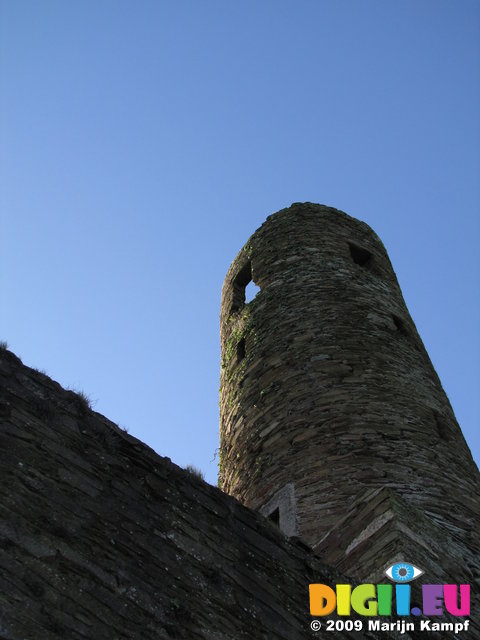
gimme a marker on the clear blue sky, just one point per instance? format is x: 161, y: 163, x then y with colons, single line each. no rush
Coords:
x: 143, y: 142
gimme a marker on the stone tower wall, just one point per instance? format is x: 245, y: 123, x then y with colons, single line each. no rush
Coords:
x: 326, y: 388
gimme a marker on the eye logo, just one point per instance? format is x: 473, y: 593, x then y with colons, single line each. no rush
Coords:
x: 380, y: 599
x: 403, y: 572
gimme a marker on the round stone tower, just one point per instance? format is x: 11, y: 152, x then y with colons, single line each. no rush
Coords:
x: 326, y: 388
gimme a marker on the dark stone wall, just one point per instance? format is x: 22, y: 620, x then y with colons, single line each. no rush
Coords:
x: 102, y: 539
x: 326, y: 384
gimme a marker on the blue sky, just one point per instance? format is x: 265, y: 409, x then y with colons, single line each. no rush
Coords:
x: 142, y: 143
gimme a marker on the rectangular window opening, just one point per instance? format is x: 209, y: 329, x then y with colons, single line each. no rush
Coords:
x: 275, y: 517
x: 359, y: 255
x: 244, y: 276
x: 399, y: 324
x: 251, y: 291
x: 240, y: 350
x: 281, y: 509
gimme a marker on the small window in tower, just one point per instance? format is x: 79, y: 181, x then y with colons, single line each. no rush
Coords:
x: 275, y: 516
x: 399, y: 324
x: 241, y: 350
x: 244, y: 276
x: 281, y: 509
x: 251, y: 291
x: 360, y: 255
x: 244, y: 289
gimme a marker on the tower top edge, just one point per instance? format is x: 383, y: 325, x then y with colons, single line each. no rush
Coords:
x: 312, y: 207
x: 314, y: 210
x: 306, y: 213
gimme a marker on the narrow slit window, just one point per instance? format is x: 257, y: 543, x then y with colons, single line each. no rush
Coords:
x: 360, y: 255
x: 241, y: 350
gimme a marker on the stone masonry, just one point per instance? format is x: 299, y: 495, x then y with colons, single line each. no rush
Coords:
x: 333, y: 420
x: 103, y: 539
x: 335, y: 431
